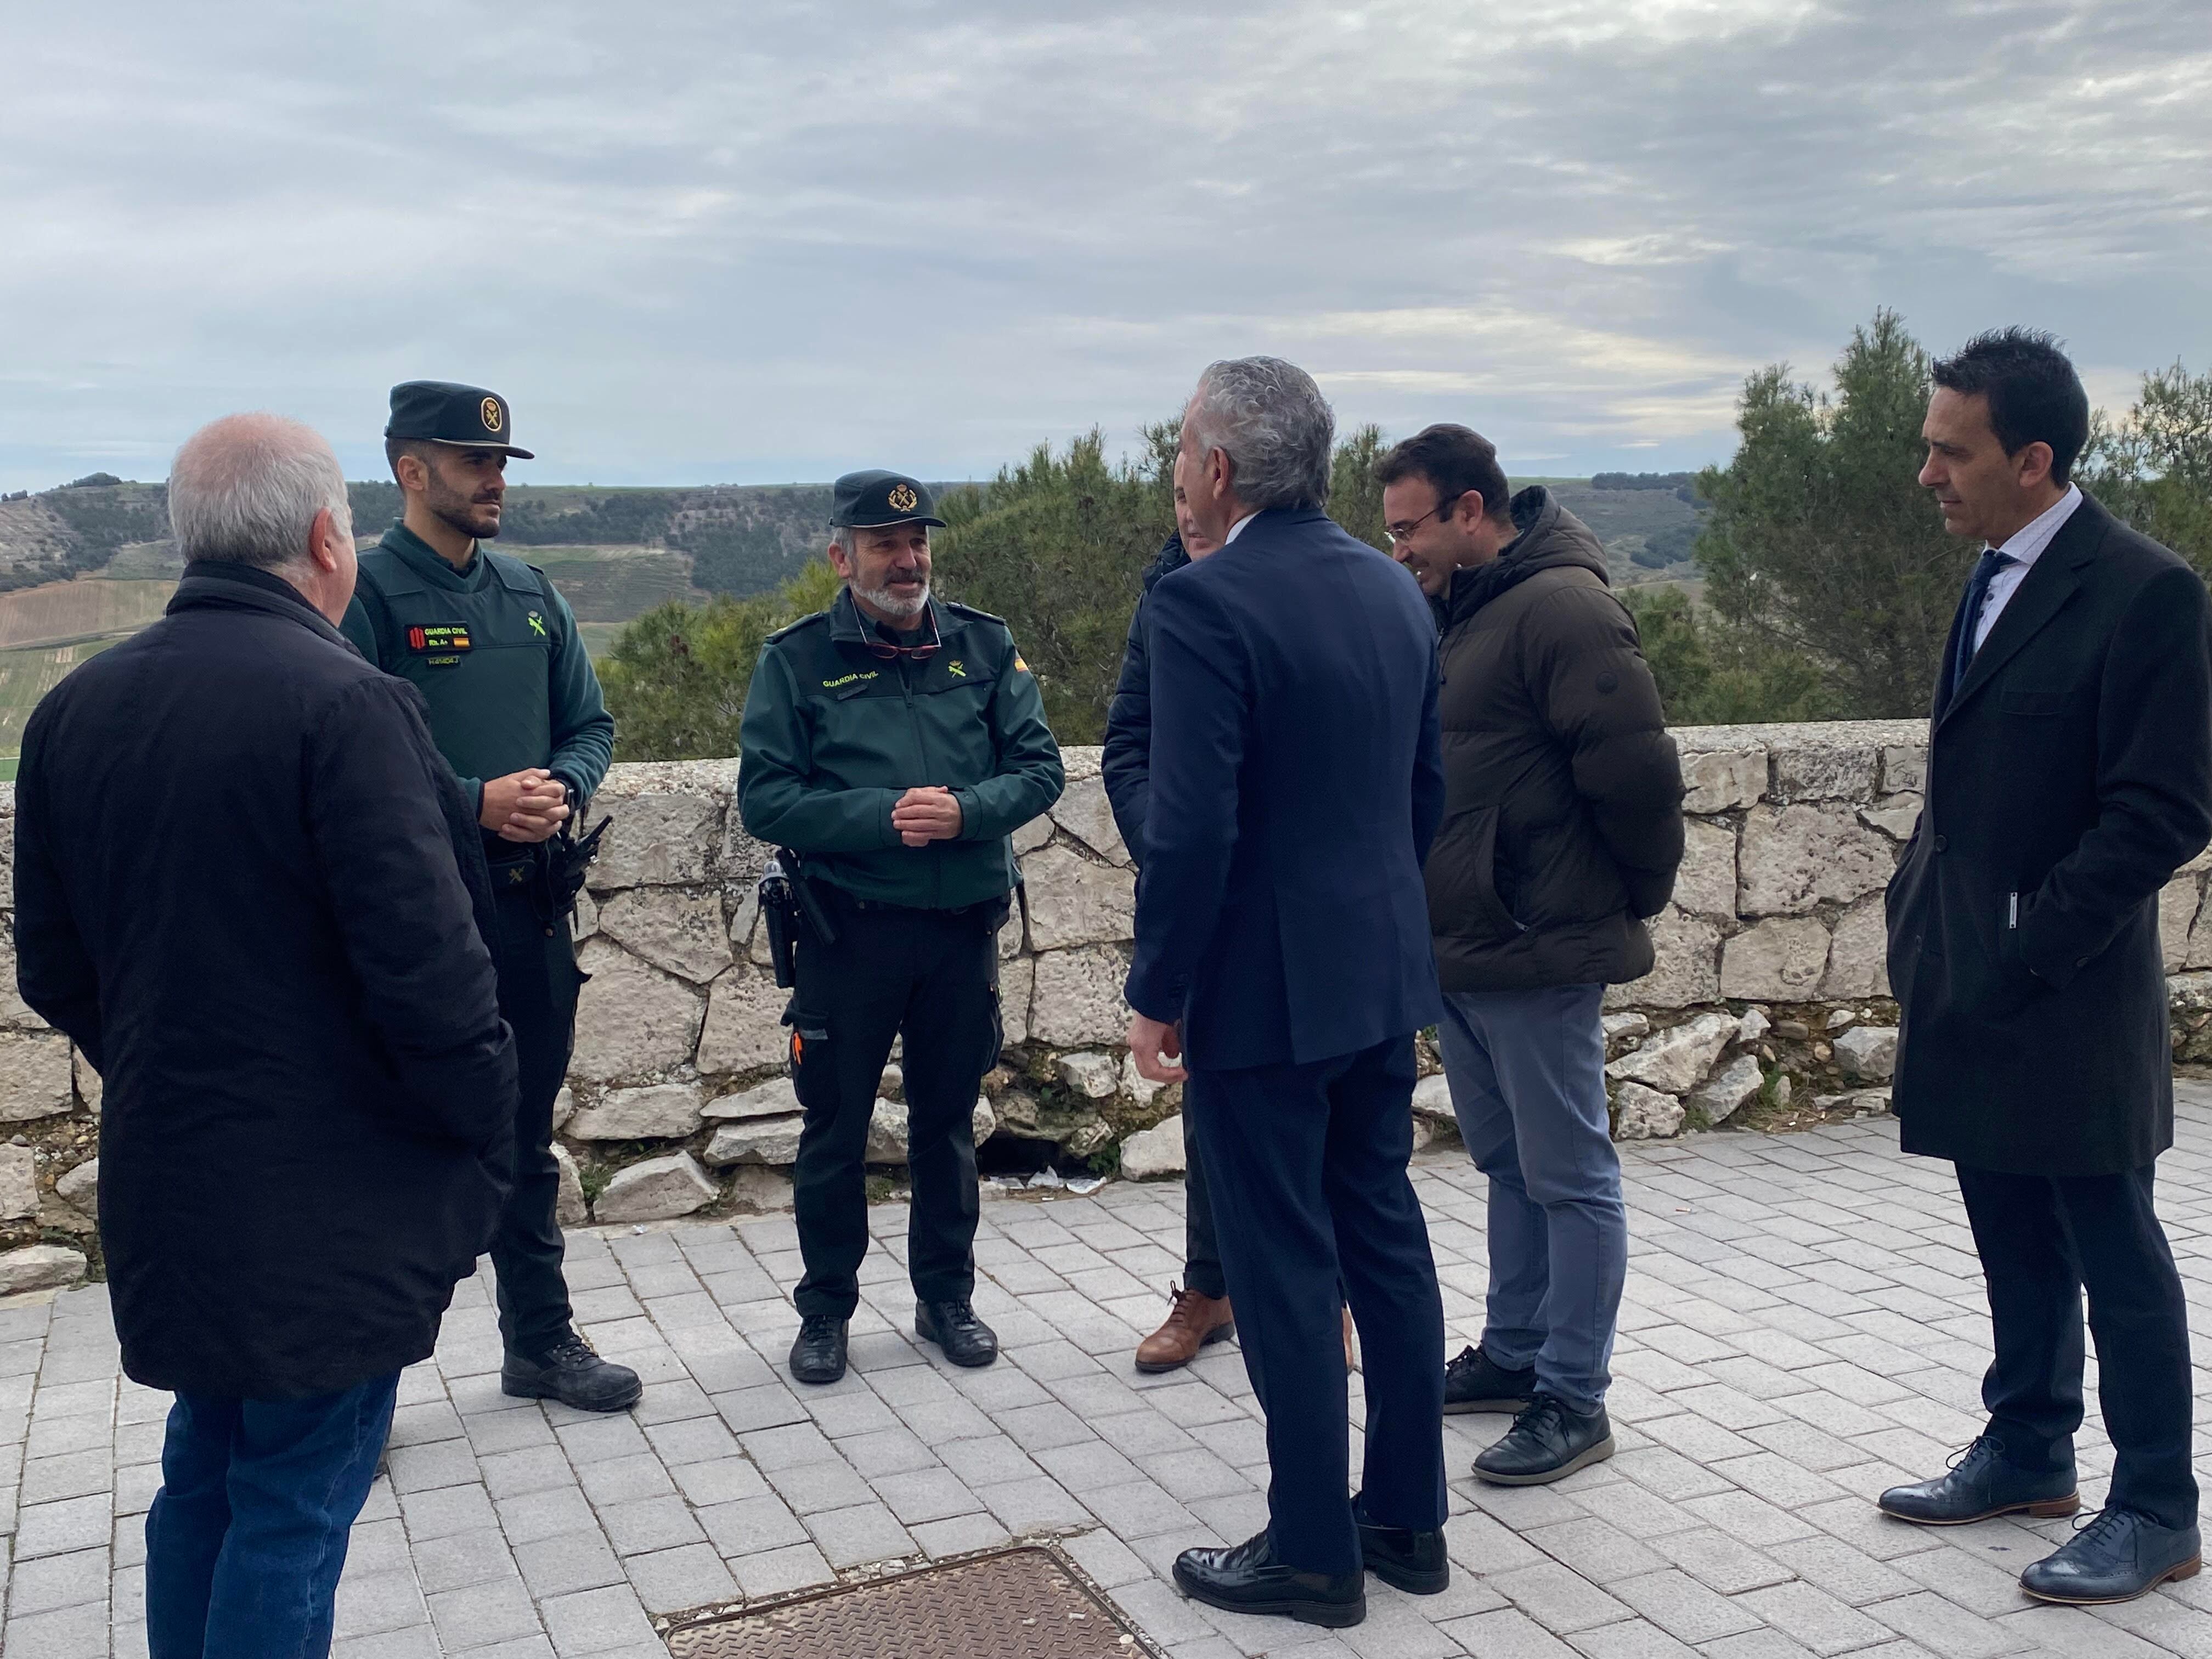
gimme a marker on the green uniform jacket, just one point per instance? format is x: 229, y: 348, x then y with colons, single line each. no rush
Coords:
x: 494, y: 650
x: 833, y: 735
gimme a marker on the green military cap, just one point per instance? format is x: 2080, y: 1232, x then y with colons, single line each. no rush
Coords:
x: 875, y: 498
x: 445, y: 412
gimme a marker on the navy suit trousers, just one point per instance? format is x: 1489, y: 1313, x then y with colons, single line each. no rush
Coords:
x: 2043, y: 1240
x: 1306, y: 1164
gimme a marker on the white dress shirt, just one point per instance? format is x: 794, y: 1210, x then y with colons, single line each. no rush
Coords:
x: 1238, y: 529
x: 2024, y: 548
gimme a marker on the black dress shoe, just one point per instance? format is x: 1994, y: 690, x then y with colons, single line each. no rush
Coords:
x: 2119, y: 1555
x: 1405, y: 1559
x: 1476, y: 1382
x: 966, y: 1339
x: 571, y: 1372
x: 1247, y: 1578
x: 1548, y: 1442
x: 1980, y: 1484
x: 818, y: 1355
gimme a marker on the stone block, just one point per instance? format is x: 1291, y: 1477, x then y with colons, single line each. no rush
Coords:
x: 1084, y: 813
x: 1675, y: 1061
x: 1642, y: 1114
x: 658, y: 1190
x: 658, y: 840
x: 1033, y: 835
x: 887, y: 1134
x: 761, y: 1191
x: 1858, y: 955
x: 1895, y: 816
x: 16, y: 1014
x: 40, y: 1268
x: 661, y: 1111
x: 1722, y: 1094
x: 1078, y: 997
x: 1780, y: 960
x: 19, y: 1183
x: 1135, y: 1085
x: 79, y: 1188
x: 2178, y: 905
x: 1904, y: 769
x: 584, y: 920
x: 1823, y: 770
x: 1687, y: 969
x: 1706, y: 883
x: 1095, y: 1077
x: 744, y: 1030
x: 756, y: 1140
x: 983, y: 1121
x: 564, y: 1107
x: 1017, y: 984
x: 1719, y: 781
x: 1794, y: 857
x: 1755, y: 1024
x: 632, y: 1020
x: 677, y: 929
x: 570, y: 1209
x: 1868, y: 1053
x: 743, y: 858
x: 1075, y: 901
x: 34, y: 1075
x: 1154, y: 1152
x: 777, y: 1097
x: 1433, y: 1098
x: 89, y: 1087
x: 1017, y: 1113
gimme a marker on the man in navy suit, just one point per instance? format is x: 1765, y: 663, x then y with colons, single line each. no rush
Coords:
x: 1282, y: 955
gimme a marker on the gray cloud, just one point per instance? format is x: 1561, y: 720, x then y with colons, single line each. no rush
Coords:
x: 698, y: 242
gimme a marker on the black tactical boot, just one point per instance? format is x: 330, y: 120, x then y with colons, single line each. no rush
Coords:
x: 966, y: 1339
x: 818, y: 1355
x: 1476, y: 1382
x: 571, y: 1372
x: 1548, y: 1442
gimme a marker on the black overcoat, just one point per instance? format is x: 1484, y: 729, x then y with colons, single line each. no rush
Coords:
x: 2067, y: 780
x: 240, y: 889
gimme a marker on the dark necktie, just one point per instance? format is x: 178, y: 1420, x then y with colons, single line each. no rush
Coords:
x: 1970, y: 622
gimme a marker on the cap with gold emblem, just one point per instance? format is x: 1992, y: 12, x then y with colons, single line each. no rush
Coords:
x: 872, y: 498
x: 447, y: 413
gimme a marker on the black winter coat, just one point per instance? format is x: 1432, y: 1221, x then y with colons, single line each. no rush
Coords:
x: 1563, y: 810
x: 2067, y: 780
x: 1126, y: 767
x: 251, y: 891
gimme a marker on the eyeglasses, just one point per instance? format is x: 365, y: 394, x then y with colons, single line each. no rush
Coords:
x: 891, y: 653
x: 1398, y: 533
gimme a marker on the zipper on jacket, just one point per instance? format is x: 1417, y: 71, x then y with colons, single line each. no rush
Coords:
x: 921, y: 748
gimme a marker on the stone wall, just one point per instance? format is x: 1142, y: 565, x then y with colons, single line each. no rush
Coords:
x: 1769, y: 999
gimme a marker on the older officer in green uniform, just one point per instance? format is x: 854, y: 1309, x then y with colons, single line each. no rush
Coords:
x: 514, y: 707
x: 894, y: 741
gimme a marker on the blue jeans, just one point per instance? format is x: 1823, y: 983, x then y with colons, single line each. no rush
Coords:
x: 247, y: 1535
x: 1527, y: 1071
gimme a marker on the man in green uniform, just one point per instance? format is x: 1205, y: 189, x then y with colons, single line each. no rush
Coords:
x: 894, y: 742
x: 515, y: 708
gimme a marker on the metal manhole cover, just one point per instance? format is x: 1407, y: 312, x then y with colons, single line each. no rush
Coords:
x: 1018, y: 1604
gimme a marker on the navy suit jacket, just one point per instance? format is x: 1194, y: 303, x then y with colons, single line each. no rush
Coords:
x: 1296, y: 787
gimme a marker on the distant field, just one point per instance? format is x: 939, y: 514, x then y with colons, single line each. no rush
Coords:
x: 26, y: 676
x: 86, y: 609
x: 614, y: 584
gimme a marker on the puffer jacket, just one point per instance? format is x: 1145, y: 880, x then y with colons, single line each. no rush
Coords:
x: 1563, y: 805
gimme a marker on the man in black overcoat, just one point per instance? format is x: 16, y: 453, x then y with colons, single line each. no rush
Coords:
x: 2069, y: 775
x: 252, y: 894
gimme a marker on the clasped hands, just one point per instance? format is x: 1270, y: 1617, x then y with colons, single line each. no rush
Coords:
x: 526, y: 807
x: 929, y: 813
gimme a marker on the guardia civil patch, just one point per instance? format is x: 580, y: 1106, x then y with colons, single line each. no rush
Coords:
x: 442, y: 639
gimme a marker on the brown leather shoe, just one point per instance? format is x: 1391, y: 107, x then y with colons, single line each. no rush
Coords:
x: 1192, y: 1322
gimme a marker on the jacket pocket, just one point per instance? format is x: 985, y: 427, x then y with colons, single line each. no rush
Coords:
x: 1461, y: 878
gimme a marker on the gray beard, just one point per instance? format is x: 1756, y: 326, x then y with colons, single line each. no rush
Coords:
x: 883, y: 600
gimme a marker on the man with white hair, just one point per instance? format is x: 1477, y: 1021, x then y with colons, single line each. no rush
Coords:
x: 1282, y: 955
x: 252, y: 895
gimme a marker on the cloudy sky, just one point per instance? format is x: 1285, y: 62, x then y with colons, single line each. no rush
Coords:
x: 700, y: 242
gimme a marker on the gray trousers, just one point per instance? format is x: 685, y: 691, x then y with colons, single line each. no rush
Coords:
x: 1527, y: 1071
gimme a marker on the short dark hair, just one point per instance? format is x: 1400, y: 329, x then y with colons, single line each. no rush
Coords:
x: 395, y: 448
x: 2035, y: 396
x: 1453, y: 458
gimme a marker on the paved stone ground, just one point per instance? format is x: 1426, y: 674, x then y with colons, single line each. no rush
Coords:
x: 1803, y: 1326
